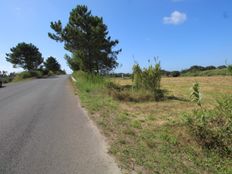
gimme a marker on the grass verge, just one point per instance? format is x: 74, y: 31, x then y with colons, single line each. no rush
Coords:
x: 153, y: 137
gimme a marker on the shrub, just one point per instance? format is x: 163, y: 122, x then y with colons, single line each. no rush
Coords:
x: 137, y: 76
x: 221, y: 67
x: 175, y: 73
x: 210, y: 67
x: 229, y: 68
x: 148, y: 79
x: 37, y: 74
x: 213, y: 128
x: 50, y: 73
x: 44, y: 72
x: 24, y: 75
x: 151, y: 78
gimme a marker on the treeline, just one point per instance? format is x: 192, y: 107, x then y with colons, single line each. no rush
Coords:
x: 192, y: 71
x: 197, y: 70
x: 28, y: 57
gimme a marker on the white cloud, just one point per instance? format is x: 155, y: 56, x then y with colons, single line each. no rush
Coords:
x: 175, y: 18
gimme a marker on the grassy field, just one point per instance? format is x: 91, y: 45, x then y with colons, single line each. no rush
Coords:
x: 152, y: 137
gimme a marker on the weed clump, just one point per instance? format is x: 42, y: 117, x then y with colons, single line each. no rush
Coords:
x: 148, y: 79
x: 195, y: 94
x: 146, y: 85
x: 212, y: 128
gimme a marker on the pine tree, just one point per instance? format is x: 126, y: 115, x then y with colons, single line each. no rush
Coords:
x: 26, y: 56
x: 86, y: 37
x: 51, y: 64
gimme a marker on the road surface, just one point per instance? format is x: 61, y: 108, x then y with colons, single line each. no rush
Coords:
x: 43, y: 130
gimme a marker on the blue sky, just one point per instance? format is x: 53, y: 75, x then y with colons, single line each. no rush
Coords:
x: 181, y: 32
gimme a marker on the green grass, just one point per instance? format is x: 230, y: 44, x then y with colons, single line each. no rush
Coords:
x: 22, y: 76
x: 26, y: 75
x: 153, y: 137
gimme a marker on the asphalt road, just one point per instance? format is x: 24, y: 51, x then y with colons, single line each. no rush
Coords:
x: 43, y: 130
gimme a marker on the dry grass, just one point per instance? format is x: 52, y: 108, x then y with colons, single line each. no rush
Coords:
x: 211, y: 87
x: 179, y: 91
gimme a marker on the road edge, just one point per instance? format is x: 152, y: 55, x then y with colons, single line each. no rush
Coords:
x: 97, y: 131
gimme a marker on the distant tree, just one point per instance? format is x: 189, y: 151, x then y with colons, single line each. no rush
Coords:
x: 210, y: 67
x: 165, y: 73
x: 26, y: 56
x: 86, y: 37
x: 51, y: 64
x: 196, y: 68
x: 222, y: 67
x: 175, y: 73
x: 229, y: 68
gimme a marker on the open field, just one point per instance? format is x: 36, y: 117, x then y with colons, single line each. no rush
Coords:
x: 152, y: 137
x: 179, y: 87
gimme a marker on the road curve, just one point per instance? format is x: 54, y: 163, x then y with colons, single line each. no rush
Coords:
x: 43, y: 130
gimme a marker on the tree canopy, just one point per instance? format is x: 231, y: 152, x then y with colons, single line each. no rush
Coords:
x: 51, y: 64
x: 86, y: 37
x: 26, y: 56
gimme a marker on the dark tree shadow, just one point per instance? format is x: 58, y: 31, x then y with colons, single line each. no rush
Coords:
x: 172, y: 97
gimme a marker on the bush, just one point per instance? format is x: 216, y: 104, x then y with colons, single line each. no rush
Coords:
x: 213, y: 128
x: 222, y: 67
x: 210, y: 67
x: 148, y: 79
x: 151, y: 79
x: 37, y: 74
x: 21, y: 76
x: 44, y: 71
x: 229, y: 68
x: 137, y: 76
x: 50, y: 73
x: 26, y: 74
x: 175, y: 73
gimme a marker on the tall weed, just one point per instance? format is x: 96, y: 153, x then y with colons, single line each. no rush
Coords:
x: 212, y: 128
